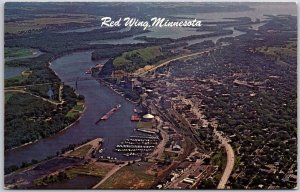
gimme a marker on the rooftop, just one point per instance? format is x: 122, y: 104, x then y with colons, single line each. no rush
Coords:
x: 148, y: 116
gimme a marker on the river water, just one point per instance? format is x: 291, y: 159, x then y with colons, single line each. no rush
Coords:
x: 99, y: 100
x: 174, y: 33
x: 261, y: 10
x: 12, y: 71
x: 156, y: 32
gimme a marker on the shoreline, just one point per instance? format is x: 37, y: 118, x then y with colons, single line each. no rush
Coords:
x: 103, y: 82
x: 109, y: 85
x: 32, y: 142
x: 35, y: 141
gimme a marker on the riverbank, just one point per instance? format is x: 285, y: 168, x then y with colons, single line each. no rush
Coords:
x: 98, y: 99
x: 110, y: 86
x: 86, y: 150
x: 68, y: 126
x: 78, y: 73
x: 35, y: 141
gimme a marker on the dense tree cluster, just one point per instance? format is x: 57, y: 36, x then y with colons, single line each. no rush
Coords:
x: 28, y: 118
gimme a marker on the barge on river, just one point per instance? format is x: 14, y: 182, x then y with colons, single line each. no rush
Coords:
x: 108, y: 114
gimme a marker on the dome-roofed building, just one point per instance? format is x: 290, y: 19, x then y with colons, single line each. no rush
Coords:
x: 148, y: 117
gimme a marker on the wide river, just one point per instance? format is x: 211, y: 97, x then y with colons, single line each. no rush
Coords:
x: 99, y: 100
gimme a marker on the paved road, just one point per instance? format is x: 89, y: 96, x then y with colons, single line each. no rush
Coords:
x: 159, y: 149
x: 230, y: 160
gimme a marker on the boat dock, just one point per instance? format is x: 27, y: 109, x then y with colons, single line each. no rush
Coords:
x: 137, y: 145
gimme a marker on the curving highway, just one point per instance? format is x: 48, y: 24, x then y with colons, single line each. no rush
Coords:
x: 230, y: 160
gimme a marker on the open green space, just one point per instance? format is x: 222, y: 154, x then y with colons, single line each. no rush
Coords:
x: 89, y: 169
x: 72, y: 114
x: 133, y: 176
x: 132, y: 60
x: 17, y: 80
x: 14, y: 80
x: 8, y: 95
x: 285, y: 55
x: 76, y: 110
x: 288, y: 49
x: 17, y: 52
x: 144, y: 125
x: 80, y: 152
x: 219, y: 159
